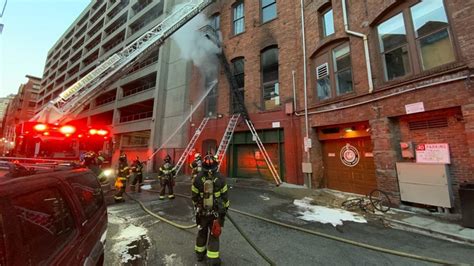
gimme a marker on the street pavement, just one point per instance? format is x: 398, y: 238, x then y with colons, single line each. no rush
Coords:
x: 136, y: 238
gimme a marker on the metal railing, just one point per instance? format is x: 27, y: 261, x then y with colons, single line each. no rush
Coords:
x: 139, y: 116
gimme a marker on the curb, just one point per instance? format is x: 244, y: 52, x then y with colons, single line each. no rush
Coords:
x: 428, y: 232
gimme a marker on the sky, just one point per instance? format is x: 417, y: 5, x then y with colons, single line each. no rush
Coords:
x: 31, y: 28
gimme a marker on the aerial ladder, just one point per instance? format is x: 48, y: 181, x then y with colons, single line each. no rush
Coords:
x: 239, y: 111
x: 71, y: 101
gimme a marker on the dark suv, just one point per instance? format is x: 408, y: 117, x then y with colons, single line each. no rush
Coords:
x: 52, y: 218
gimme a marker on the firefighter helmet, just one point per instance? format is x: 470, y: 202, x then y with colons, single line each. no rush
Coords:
x: 209, y: 163
x: 197, y: 156
x: 167, y: 159
x: 123, y: 157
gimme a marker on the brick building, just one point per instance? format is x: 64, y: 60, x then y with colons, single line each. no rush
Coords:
x: 261, y: 44
x: 421, y: 59
x: 415, y: 90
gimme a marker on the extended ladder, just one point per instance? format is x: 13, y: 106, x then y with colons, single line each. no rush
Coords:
x: 190, y: 146
x: 210, y: 33
x: 71, y: 100
x: 229, y: 131
x: 267, y: 158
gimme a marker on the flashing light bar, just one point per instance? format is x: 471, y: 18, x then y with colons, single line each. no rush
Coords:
x: 67, y: 130
x: 40, y: 127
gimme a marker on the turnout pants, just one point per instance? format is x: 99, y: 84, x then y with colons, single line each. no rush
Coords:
x: 204, y: 238
x: 120, y: 184
x: 138, y: 179
x: 166, y: 182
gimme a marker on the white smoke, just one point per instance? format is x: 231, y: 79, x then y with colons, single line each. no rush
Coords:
x: 196, y: 47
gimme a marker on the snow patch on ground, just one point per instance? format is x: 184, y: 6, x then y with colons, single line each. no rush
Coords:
x: 264, y: 197
x: 127, y: 236
x: 172, y: 260
x: 146, y: 187
x: 325, y: 215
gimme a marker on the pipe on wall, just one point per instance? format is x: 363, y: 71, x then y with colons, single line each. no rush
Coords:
x: 366, y: 45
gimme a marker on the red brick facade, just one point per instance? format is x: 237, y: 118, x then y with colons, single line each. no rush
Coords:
x: 445, y: 91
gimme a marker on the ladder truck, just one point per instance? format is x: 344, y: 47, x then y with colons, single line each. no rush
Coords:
x: 53, y: 121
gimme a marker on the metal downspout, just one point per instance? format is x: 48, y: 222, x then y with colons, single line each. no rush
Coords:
x: 366, y: 45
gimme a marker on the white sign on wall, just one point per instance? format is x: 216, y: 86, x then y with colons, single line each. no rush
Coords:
x: 433, y: 153
x: 414, y: 108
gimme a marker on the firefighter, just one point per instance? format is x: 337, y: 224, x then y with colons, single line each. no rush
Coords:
x: 100, y: 159
x: 122, y: 176
x: 209, y: 195
x: 166, y: 175
x: 137, y: 170
x: 90, y: 161
x: 196, y: 166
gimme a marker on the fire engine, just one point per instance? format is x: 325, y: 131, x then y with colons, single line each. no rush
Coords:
x: 59, y: 141
x: 51, y: 134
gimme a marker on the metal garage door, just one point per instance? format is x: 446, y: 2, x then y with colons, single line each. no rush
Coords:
x: 349, y: 165
x: 247, y: 161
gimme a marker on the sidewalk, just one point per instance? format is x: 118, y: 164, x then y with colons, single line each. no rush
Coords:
x: 413, y: 220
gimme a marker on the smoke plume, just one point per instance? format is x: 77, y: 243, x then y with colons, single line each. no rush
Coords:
x: 196, y: 47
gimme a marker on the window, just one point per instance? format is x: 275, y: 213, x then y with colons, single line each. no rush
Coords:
x: 89, y: 193
x: 211, y: 100
x: 415, y: 40
x: 334, y: 68
x: 238, y: 72
x: 269, y: 10
x: 394, y: 47
x: 432, y: 34
x: 46, y: 223
x: 328, y: 23
x: 271, y: 90
x: 238, y: 18
x: 342, y: 69
x: 215, y: 22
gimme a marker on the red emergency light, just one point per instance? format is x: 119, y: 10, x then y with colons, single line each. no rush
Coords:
x: 40, y: 127
x: 67, y: 130
x: 102, y: 132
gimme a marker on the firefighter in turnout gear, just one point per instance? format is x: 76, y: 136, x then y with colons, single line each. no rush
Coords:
x: 137, y: 170
x: 122, y: 176
x: 209, y: 195
x: 166, y: 175
x: 196, y: 165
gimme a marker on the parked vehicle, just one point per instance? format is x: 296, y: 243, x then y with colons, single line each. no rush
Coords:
x: 53, y: 218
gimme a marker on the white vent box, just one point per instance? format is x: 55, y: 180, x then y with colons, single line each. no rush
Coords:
x: 424, y: 183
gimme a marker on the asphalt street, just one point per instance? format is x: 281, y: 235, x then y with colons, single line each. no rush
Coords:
x: 136, y: 238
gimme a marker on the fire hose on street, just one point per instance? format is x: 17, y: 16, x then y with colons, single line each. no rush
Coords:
x: 308, y: 231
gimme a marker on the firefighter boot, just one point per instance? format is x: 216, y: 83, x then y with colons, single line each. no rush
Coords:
x: 200, y: 256
x: 214, y: 262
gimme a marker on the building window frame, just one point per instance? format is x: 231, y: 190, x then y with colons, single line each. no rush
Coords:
x: 239, y: 74
x: 215, y: 21
x: 326, y: 77
x: 238, y: 20
x: 413, y: 46
x: 267, y: 85
x: 266, y: 5
x: 324, y: 29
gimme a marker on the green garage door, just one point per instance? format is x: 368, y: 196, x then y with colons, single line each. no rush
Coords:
x: 247, y: 160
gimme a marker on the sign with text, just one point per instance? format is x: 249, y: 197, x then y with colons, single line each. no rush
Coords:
x: 433, y: 153
x: 414, y: 108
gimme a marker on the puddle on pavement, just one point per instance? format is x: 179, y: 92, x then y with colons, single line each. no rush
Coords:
x: 138, y: 252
